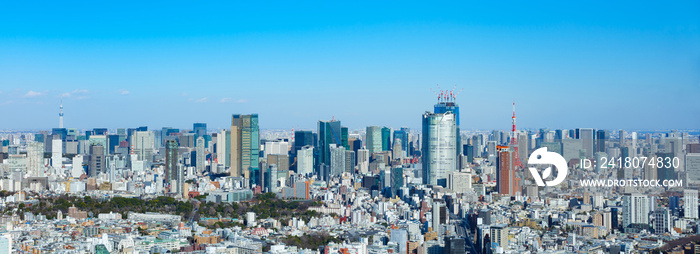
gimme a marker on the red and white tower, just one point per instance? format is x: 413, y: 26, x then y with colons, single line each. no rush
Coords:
x: 514, y: 142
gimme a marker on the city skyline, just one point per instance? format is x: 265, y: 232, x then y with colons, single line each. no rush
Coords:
x: 187, y: 126
x: 350, y: 127
x: 565, y: 64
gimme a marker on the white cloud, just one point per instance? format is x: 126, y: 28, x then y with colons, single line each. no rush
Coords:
x: 76, y: 92
x: 225, y: 100
x: 123, y: 92
x: 31, y: 94
x: 201, y: 100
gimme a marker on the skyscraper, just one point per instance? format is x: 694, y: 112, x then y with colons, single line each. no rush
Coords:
x: 386, y: 138
x: 666, y: 171
x: 692, y: 167
x: 439, y: 147
x: 350, y: 161
x: 402, y: 135
x: 97, y: 163
x: 199, y: 129
x: 337, y: 160
x: 449, y: 105
x: 245, y: 147
x: 201, y: 155
x: 690, y: 198
x: 171, y: 164
x: 305, y: 160
x: 35, y: 158
x: 142, y: 141
x: 223, y: 147
x: 635, y: 210
x: 329, y: 132
x: 602, y: 137
x: 362, y: 160
x: 506, y: 183
x: 56, y: 153
x: 587, y: 141
x: 374, y: 139
x: 302, y: 139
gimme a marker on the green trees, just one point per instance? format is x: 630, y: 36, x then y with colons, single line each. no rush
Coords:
x: 264, y: 205
x: 312, y: 241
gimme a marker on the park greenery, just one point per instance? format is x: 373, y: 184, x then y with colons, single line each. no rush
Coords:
x: 264, y: 205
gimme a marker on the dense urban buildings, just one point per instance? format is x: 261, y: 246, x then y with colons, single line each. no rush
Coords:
x: 336, y: 190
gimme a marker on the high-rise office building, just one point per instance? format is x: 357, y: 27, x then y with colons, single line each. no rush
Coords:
x: 329, y: 132
x: 142, y: 142
x: 397, y: 180
x: 690, y: 206
x: 439, y: 146
x: 386, y: 138
x: 662, y: 221
x: 666, y: 171
x: 281, y: 160
x: 374, y: 139
x: 97, y: 162
x: 199, y: 129
x: 35, y: 158
x: 621, y: 136
x: 171, y: 163
x: 450, y: 106
x: 587, y: 138
x: 305, y: 160
x: 245, y: 147
x: 402, y: 135
x: 397, y: 151
x: 602, y: 137
x: 223, y: 147
x: 201, y: 155
x: 350, y: 161
x: 692, y: 168
x: 337, y: 160
x: 302, y: 139
x: 276, y: 147
x: 506, y: 182
x: 635, y: 210
x: 56, y: 153
x: 363, y: 160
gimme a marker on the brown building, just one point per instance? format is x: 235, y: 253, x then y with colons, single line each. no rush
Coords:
x: 73, y: 212
x: 505, y: 173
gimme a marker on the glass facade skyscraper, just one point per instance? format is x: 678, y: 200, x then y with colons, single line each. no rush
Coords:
x: 171, y: 163
x: 374, y: 139
x: 451, y: 106
x: 245, y: 147
x: 439, y: 147
x: 402, y: 135
x: 329, y: 132
x: 386, y: 139
x: 199, y: 129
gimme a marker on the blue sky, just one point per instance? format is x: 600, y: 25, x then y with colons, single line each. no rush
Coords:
x: 620, y: 64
